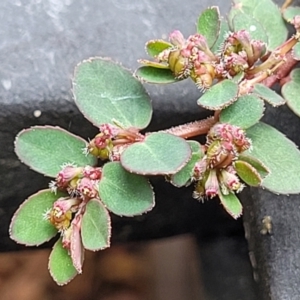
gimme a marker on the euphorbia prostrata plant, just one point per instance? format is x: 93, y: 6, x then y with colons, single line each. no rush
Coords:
x: 234, y: 63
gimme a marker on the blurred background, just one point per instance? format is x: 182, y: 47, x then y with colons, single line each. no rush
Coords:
x: 176, y: 268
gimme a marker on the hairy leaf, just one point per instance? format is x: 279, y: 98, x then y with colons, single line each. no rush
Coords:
x: 231, y: 204
x: 267, y: 13
x: 245, y: 112
x: 256, y: 30
x: 209, y: 24
x: 220, y: 95
x: 256, y: 163
x: 45, y: 149
x: 247, y: 173
x: 280, y: 155
x: 105, y: 92
x: 160, y: 153
x: 123, y: 193
x: 154, y: 47
x: 224, y: 29
x: 290, y: 12
x: 290, y: 91
x: 154, y: 64
x: 95, y: 227
x: 183, y: 177
x: 29, y: 225
x: 296, y: 51
x: 152, y: 74
x: 60, y: 264
x: 268, y: 95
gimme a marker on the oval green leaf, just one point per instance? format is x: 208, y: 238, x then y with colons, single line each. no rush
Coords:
x: 243, y: 21
x: 245, y: 112
x: 123, y: 193
x: 60, y: 264
x: 183, y: 177
x: 29, y: 225
x: 220, y: 95
x: 155, y: 75
x: 209, y: 25
x: 268, y: 95
x: 105, y: 92
x: 224, y: 29
x: 231, y: 204
x: 160, y: 153
x: 281, y: 157
x: 154, y: 47
x: 296, y: 51
x: 247, y: 173
x: 290, y: 91
x: 290, y: 12
x: 269, y: 18
x: 95, y: 226
x: 255, y: 163
x: 153, y: 64
x: 45, y: 149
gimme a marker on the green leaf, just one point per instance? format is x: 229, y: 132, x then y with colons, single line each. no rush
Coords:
x: 256, y: 30
x: 209, y: 24
x: 267, y: 13
x: 60, y: 264
x: 155, y: 75
x: 104, y: 91
x: 290, y: 91
x: 123, y: 193
x: 231, y: 204
x: 256, y: 163
x: 268, y: 95
x: 224, y: 29
x: 220, y: 95
x: 290, y: 12
x: 160, y: 153
x: 28, y: 225
x: 183, y: 177
x: 45, y: 149
x: 296, y: 51
x: 247, y: 173
x: 154, y: 64
x: 95, y: 226
x: 281, y: 157
x: 154, y: 47
x: 245, y: 112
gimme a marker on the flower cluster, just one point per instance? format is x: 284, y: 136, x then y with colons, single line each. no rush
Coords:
x: 239, y: 53
x: 80, y: 183
x: 215, y: 172
x: 193, y: 58
x: 112, y: 141
x: 190, y: 58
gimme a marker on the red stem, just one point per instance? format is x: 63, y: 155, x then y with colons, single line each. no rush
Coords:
x: 193, y: 128
x: 282, y: 71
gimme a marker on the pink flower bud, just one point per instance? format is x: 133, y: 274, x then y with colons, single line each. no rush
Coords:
x: 61, y: 213
x: 176, y: 38
x: 199, y: 41
x: 199, y: 169
x: 230, y: 180
x: 296, y: 22
x: 109, y: 131
x: 67, y: 174
x: 92, y: 173
x: 87, y: 187
x: 259, y: 49
x: 212, y: 184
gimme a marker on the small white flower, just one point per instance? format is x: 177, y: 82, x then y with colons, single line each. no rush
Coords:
x: 53, y: 186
